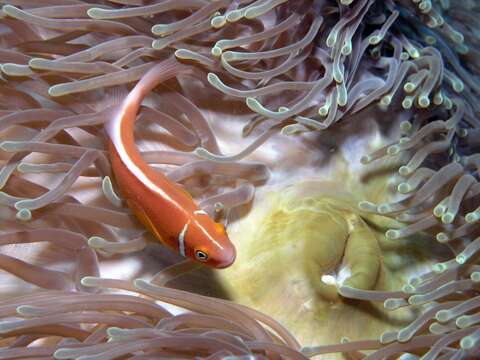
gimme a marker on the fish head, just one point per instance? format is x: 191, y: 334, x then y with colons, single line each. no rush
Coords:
x: 207, y: 242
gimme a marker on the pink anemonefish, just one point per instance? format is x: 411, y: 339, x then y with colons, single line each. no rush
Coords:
x: 162, y: 206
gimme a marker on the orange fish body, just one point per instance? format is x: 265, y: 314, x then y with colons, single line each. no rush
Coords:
x: 163, y: 207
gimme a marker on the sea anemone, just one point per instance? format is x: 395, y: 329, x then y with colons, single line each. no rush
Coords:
x: 378, y: 97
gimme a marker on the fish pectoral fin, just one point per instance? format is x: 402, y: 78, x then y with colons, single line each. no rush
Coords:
x: 185, y: 191
x: 144, y: 218
x: 220, y: 228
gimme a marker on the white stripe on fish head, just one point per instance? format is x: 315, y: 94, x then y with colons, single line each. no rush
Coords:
x: 181, y: 239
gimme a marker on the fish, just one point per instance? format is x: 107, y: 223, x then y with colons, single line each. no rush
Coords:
x: 166, y: 209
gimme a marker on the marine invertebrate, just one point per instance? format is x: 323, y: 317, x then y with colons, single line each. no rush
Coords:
x: 213, y: 327
x: 324, y: 242
x: 275, y: 66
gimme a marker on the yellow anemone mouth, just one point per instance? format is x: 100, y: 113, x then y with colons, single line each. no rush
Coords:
x: 300, y: 246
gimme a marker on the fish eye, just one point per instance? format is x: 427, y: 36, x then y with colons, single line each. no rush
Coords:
x: 200, y: 255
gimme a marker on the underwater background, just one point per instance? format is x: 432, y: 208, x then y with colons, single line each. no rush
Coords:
x: 337, y: 141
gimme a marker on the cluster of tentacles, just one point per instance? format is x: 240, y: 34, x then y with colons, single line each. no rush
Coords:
x: 286, y: 66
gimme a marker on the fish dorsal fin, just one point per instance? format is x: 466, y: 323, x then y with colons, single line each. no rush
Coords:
x: 144, y: 219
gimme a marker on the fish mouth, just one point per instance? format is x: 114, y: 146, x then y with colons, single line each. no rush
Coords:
x: 227, y: 261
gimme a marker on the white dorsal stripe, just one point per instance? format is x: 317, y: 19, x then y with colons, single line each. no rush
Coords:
x: 113, y: 128
x: 202, y: 212
x: 181, y: 239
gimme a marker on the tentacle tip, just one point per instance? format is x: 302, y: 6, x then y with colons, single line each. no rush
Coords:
x: 216, y: 51
x: 468, y: 342
x: 96, y: 13
x: 218, y: 21
x: 97, y: 242
x: 404, y: 188
x: 407, y: 103
x: 462, y: 322
x: 37, y: 63
x: 408, y: 288
x: 404, y: 170
x: 346, y: 49
x: 252, y: 103
x: 338, y: 76
x: 389, y: 304
x: 425, y: 6
x: 384, y: 208
x: 414, y: 281
x: 392, y: 303
x: 388, y: 337
x: 415, y: 300
x: 8, y: 146
x: 289, y: 130
x: 471, y: 217
x: 62, y: 354
x: 183, y: 54
x: 435, y: 328
x: 409, y: 87
x: 365, y: 159
x: 56, y: 90
x: 404, y: 56
x: 392, y: 234
x: 142, y: 284
x: 202, y: 153
x: 459, y: 87
x: 475, y: 276
x: 439, y: 210
x: 442, y: 237
x: 9, y: 9
x: 423, y: 101
x: 23, y: 168
x: 323, y: 110
x: 89, y: 281
x: 448, y: 218
x: 160, y: 29
x: 374, y: 39
x: 386, y: 100
x: 26, y: 310
x: 159, y: 44
x: 24, y: 215
x: 403, y: 336
x: 393, y: 150
x: 367, y: 206
x: 213, y: 79
x: 461, y: 259
x: 443, y: 315
x: 439, y: 268
x: 115, y: 331
x: 438, y: 99
x: 234, y: 15
x: 107, y: 188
